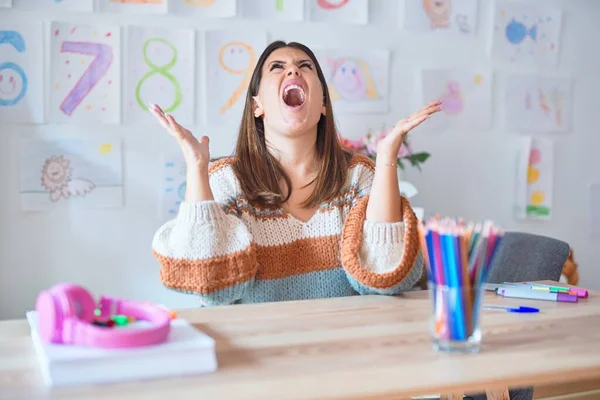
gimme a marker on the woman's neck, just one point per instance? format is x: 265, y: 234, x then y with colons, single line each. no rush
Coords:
x: 297, y: 155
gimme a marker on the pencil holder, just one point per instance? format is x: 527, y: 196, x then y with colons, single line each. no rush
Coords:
x: 458, y: 256
x: 454, y: 324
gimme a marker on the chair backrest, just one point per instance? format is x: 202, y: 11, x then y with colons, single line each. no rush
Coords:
x: 528, y: 257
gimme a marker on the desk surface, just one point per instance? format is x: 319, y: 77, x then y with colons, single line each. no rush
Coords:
x: 344, y: 348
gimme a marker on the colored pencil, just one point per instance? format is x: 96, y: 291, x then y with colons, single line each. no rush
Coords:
x: 458, y: 256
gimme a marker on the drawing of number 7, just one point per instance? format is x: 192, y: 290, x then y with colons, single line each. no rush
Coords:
x: 92, y: 75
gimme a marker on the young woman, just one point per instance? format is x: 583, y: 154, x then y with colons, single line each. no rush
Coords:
x: 293, y: 214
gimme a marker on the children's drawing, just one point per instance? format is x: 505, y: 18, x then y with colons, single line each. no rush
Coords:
x: 452, y: 99
x: 57, y: 179
x: 66, y: 5
x: 459, y: 16
x: 538, y: 103
x: 525, y: 34
x: 205, y: 8
x: 358, y: 81
x: 536, y: 166
x: 273, y: 10
x: 237, y: 58
x: 21, y: 73
x: 332, y: 4
x: 466, y: 97
x: 133, y: 6
x: 231, y: 58
x: 340, y: 11
x: 160, y: 70
x: 85, y: 73
x: 438, y: 11
x: 84, y: 173
x: 173, y: 185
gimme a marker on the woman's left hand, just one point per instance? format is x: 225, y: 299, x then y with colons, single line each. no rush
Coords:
x: 389, y: 146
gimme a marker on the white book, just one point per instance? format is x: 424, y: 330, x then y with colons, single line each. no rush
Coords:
x: 186, y: 351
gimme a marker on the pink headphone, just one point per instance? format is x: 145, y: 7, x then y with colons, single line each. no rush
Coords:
x: 66, y: 315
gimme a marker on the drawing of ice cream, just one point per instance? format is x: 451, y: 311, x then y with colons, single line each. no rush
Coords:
x: 438, y: 12
x: 452, y: 100
x: 56, y: 179
x: 351, y: 80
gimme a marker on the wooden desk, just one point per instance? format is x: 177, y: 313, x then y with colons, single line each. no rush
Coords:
x: 345, y: 348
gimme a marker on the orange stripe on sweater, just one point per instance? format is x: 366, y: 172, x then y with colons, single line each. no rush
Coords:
x: 209, y: 275
x: 299, y: 257
x: 352, y: 236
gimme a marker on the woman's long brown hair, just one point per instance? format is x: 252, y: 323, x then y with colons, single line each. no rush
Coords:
x: 259, y: 172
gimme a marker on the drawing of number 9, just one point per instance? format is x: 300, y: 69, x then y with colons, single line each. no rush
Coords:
x: 9, y: 87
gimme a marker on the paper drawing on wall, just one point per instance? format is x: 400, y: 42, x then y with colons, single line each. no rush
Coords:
x: 237, y: 58
x: 134, y: 6
x: 85, y: 73
x: 357, y: 80
x: 57, y: 179
x: 231, y: 58
x: 21, y: 73
x: 205, y: 8
x: 341, y: 11
x: 83, y: 173
x: 173, y: 185
x: 440, y: 15
x: 466, y: 97
x: 535, y: 165
x: 526, y: 35
x: 63, y: 5
x: 537, y: 103
x: 274, y: 10
x: 160, y: 70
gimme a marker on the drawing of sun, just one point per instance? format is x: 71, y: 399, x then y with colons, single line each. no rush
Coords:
x: 105, y: 148
x: 56, y: 179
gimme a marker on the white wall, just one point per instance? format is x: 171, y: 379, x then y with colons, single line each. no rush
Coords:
x: 470, y: 173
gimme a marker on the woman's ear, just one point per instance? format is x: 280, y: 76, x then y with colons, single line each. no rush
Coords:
x: 324, y: 110
x: 258, y: 109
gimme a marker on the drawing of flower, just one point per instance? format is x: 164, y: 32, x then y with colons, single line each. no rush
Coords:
x: 56, y: 179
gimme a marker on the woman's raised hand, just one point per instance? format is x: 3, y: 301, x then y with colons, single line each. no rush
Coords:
x: 393, y: 141
x: 195, y: 152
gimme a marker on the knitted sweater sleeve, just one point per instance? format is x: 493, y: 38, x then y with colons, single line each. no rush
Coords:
x: 207, y: 249
x: 379, y: 257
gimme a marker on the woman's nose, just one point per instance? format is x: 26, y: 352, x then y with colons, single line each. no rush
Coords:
x: 293, y: 71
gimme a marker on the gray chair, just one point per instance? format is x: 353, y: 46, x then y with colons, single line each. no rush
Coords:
x: 526, y: 257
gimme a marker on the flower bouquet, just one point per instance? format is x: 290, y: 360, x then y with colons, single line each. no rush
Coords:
x: 367, y: 145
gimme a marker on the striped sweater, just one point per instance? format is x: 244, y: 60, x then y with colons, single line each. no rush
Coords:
x: 228, y: 251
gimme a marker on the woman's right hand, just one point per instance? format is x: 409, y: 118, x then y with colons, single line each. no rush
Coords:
x: 195, y: 151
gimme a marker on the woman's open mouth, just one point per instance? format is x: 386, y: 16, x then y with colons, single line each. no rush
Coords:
x: 294, y: 95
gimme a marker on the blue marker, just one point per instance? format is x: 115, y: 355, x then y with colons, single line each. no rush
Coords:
x: 519, y: 310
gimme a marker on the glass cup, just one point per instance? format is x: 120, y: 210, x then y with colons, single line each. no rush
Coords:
x: 454, y: 324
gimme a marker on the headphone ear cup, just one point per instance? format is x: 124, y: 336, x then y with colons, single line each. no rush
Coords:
x: 50, y: 317
x: 79, y: 302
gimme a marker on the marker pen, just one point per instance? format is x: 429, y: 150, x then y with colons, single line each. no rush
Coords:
x: 580, y: 292
x: 526, y: 293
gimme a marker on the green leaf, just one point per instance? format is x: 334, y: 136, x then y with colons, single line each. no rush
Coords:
x: 420, y: 157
